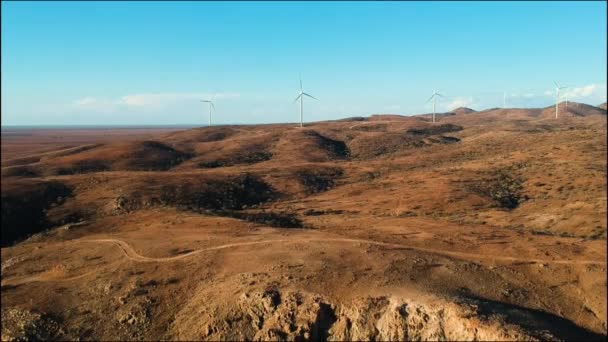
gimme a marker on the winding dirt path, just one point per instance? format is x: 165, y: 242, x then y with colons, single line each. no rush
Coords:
x: 44, y: 277
x: 131, y: 254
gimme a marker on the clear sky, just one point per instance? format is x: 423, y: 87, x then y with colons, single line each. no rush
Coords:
x: 151, y: 62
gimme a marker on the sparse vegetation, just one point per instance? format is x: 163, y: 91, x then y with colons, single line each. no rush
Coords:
x: 370, y: 176
x: 433, y: 130
x: 504, y: 188
x: 249, y: 158
x: 272, y: 219
x: 219, y: 193
x: 133, y: 156
x: 319, y: 179
x: 24, y: 325
x: 326, y: 148
x: 405, y: 218
x: 20, y: 171
x: 371, y: 146
x: 313, y: 212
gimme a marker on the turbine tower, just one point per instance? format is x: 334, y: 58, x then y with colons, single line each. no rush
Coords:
x: 557, y: 89
x: 434, y: 98
x: 301, y: 97
x: 210, y: 106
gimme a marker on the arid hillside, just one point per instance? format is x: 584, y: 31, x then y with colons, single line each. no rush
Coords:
x: 487, y: 225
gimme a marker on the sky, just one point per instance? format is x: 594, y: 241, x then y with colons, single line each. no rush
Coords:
x: 148, y: 63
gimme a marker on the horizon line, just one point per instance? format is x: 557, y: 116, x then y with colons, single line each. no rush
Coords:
x: 269, y: 123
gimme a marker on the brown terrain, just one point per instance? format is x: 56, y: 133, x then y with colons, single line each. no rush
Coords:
x: 487, y: 225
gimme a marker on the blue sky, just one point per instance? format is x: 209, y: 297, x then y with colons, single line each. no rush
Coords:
x: 150, y: 62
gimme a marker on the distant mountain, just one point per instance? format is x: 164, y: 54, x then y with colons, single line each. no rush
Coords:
x: 463, y: 110
x: 573, y: 109
x: 391, y: 117
x: 352, y: 118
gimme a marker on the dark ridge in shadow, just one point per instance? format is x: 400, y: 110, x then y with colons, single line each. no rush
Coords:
x: 83, y: 167
x: 337, y: 148
x: 313, y: 212
x: 371, y: 128
x: 171, y: 157
x: 248, y: 159
x: 319, y: 179
x: 132, y: 156
x: 277, y: 220
x: 24, y: 208
x: 25, y: 171
x: 432, y: 130
x: 353, y: 118
x: 217, y: 194
x: 442, y: 139
x: 534, y: 321
x: 386, y: 143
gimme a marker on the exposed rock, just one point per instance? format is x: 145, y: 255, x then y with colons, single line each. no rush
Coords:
x: 294, y: 315
x: 24, y: 325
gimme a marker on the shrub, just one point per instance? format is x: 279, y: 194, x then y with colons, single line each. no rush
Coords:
x: 504, y: 188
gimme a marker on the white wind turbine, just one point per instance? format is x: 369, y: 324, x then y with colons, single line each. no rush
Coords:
x: 301, y: 97
x: 210, y: 106
x: 557, y: 89
x: 434, y: 98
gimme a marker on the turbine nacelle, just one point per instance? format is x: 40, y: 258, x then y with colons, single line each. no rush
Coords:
x: 301, y: 98
x: 434, y: 98
x: 304, y: 94
x: 435, y: 94
x: 211, y: 105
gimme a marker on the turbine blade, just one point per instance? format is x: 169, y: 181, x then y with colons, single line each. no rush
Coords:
x: 310, y: 96
x: 301, y: 89
x: 294, y: 101
x: 430, y: 98
x: 439, y: 94
x: 556, y: 84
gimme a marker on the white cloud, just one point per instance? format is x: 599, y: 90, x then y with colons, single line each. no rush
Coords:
x: 459, y: 102
x: 591, y: 91
x: 86, y: 101
x: 93, y: 104
x: 594, y: 93
x: 163, y: 99
x: 146, y: 101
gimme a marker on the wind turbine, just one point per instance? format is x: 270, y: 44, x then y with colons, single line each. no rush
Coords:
x: 434, y: 98
x: 301, y: 97
x: 566, y: 96
x: 557, y: 89
x: 210, y: 106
